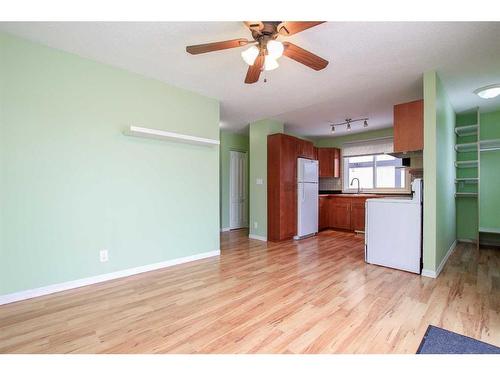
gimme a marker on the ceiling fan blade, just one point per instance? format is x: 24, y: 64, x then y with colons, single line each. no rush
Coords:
x: 304, y: 57
x: 254, y: 70
x: 254, y: 25
x: 293, y: 27
x: 217, y: 46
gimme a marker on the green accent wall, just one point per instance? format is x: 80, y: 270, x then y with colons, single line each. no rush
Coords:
x: 258, y: 170
x: 72, y: 184
x: 229, y: 141
x: 337, y: 141
x: 439, y: 173
x: 489, y: 197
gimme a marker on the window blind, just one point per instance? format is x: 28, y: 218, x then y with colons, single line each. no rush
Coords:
x: 368, y: 147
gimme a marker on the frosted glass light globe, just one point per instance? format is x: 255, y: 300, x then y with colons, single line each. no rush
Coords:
x: 275, y: 49
x: 270, y: 63
x: 249, y: 55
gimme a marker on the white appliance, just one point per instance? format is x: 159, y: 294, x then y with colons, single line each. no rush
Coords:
x: 393, y: 234
x: 307, y: 197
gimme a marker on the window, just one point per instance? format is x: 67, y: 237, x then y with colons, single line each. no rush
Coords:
x: 378, y: 172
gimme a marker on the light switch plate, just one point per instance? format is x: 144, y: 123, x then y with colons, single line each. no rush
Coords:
x: 103, y: 255
x: 259, y: 181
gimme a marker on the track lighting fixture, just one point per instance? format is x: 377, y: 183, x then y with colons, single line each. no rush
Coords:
x: 348, y: 122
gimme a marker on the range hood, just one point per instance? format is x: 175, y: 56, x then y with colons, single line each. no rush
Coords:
x: 407, y: 154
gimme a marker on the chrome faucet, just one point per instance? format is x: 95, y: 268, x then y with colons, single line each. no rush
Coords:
x: 352, y: 181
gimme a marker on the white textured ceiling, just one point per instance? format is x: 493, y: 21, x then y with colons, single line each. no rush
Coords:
x: 372, y: 66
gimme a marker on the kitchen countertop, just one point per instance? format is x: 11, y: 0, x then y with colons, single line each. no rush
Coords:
x: 363, y: 195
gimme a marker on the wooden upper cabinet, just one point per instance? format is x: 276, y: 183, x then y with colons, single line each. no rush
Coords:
x: 329, y: 162
x: 409, y: 126
x: 325, y: 162
x: 336, y: 162
x: 305, y: 149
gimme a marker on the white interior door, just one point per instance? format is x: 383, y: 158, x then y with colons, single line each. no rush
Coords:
x: 238, y: 217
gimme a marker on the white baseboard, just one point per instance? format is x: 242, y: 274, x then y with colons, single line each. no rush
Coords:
x: 54, y: 288
x: 466, y: 240
x: 429, y: 273
x: 225, y: 229
x: 256, y: 237
x: 435, y: 274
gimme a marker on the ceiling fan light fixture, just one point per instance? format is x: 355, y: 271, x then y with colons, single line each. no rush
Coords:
x: 333, y: 129
x: 488, y: 92
x: 348, y: 127
x: 249, y: 55
x: 275, y: 49
x: 365, y: 124
x: 270, y: 63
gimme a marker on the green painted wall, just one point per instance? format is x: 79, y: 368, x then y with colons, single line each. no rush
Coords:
x: 258, y: 170
x: 489, y: 197
x: 337, y: 141
x: 72, y: 184
x: 439, y: 173
x: 229, y: 141
x: 466, y: 207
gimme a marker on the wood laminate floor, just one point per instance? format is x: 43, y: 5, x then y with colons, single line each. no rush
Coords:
x: 312, y: 296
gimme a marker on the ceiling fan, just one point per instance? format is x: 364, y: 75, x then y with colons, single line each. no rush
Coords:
x: 265, y: 49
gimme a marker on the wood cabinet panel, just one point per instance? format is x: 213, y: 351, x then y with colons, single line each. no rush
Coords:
x: 324, y: 213
x: 305, y: 149
x: 329, y: 162
x: 358, y: 215
x: 282, y: 153
x: 336, y: 162
x: 409, y: 126
x: 325, y: 162
x: 340, y: 214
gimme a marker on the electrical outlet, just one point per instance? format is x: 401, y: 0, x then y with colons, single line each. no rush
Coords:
x: 255, y: 224
x: 103, y: 255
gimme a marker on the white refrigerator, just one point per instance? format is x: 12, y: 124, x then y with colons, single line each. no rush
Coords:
x: 307, y: 197
x: 393, y: 234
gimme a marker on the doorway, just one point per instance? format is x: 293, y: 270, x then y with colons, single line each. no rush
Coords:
x: 238, y: 195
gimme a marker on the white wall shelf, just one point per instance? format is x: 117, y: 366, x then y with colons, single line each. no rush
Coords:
x: 465, y: 195
x: 489, y: 145
x: 466, y: 147
x: 489, y: 230
x: 463, y: 131
x: 466, y: 164
x: 470, y: 180
x: 138, y: 131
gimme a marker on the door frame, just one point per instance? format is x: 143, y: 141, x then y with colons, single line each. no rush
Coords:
x: 231, y: 185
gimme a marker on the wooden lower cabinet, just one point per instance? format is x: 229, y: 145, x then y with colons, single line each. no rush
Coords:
x: 340, y: 213
x: 324, y: 213
x: 358, y: 216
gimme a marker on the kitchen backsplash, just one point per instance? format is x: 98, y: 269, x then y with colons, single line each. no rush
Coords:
x: 330, y: 183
